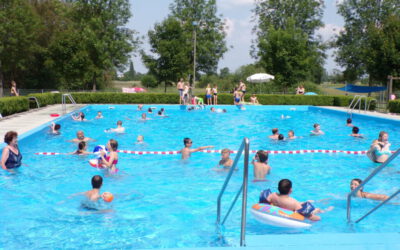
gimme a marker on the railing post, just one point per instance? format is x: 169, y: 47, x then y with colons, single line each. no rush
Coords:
x: 244, y: 199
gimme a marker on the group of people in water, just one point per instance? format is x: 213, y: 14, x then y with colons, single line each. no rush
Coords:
x: 379, y: 152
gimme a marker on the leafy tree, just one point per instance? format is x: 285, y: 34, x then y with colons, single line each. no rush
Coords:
x: 353, y: 45
x: 149, y: 81
x: 107, y: 42
x: 168, y: 43
x: 201, y: 16
x: 18, y: 38
x: 286, y: 45
x: 224, y: 72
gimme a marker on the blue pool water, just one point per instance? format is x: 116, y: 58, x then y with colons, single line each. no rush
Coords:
x: 161, y: 201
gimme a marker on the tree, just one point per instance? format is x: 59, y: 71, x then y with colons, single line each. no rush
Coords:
x: 201, y: 16
x: 107, y: 42
x: 224, y: 72
x: 353, y: 45
x: 168, y: 42
x: 286, y: 44
x: 18, y: 38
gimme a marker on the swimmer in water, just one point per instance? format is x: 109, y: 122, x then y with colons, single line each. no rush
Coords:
x: 354, y: 132
x: 317, y: 130
x: 140, y: 107
x: 94, y: 194
x: 379, y: 150
x: 291, y: 135
x: 144, y: 117
x: 80, y: 136
x: 361, y: 194
x: 226, y: 162
x: 349, y: 122
x: 212, y: 109
x: 55, y: 128
x: 80, y: 117
x: 118, y: 129
x: 110, y: 162
x: 82, y: 147
x: 99, y: 115
x: 150, y: 110
x: 275, y: 134
x: 187, y: 150
x: 261, y: 167
x: 140, y: 139
x: 283, y: 200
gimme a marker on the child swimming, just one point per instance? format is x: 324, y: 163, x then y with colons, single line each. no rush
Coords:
x: 226, y: 162
x: 361, y: 194
x: 187, y: 150
x: 261, y: 167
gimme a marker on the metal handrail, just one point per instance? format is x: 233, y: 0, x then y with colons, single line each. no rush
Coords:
x: 376, y: 171
x: 243, y: 147
x: 63, y: 101
x: 357, y: 99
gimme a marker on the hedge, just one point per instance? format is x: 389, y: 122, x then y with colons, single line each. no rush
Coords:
x: 12, y: 105
x: 394, y: 106
x: 161, y: 98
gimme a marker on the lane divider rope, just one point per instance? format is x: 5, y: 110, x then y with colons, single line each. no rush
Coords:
x: 302, y: 151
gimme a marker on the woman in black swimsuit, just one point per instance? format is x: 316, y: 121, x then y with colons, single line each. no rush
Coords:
x: 11, y: 157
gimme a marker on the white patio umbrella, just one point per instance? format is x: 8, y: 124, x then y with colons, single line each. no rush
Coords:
x: 259, y: 78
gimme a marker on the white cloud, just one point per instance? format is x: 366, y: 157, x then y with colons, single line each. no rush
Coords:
x: 229, y: 27
x: 329, y: 31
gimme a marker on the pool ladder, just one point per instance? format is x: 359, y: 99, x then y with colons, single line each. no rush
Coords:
x: 357, y: 100
x: 375, y: 172
x: 244, y: 147
x: 63, y: 101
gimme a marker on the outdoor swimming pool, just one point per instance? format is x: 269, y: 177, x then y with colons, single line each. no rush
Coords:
x: 161, y: 201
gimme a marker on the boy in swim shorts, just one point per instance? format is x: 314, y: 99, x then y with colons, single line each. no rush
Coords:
x: 283, y: 200
x: 187, y: 150
x: 94, y: 193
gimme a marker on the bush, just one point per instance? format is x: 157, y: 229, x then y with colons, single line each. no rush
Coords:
x: 394, y: 106
x: 149, y: 81
x: 45, y: 99
x: 12, y: 105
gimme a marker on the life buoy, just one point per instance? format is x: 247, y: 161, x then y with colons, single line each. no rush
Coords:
x: 279, y: 217
x: 54, y: 115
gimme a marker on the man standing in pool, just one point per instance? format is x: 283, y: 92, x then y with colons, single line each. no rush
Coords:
x: 80, y: 136
x: 187, y: 150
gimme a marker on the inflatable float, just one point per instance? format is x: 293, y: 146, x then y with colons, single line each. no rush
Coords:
x: 279, y: 217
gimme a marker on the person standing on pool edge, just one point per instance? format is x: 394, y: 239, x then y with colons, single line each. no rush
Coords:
x: 186, y: 151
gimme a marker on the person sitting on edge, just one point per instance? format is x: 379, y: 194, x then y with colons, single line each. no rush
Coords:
x: 361, y: 194
x: 55, y: 128
x: 253, y: 99
x: 317, y: 130
x: 261, y: 167
x: 118, y: 129
x: 354, y: 132
x: 82, y: 147
x: 283, y: 200
x: 80, y: 136
x: 379, y: 150
x: 291, y: 135
x: 226, y: 162
x: 99, y: 115
x: 80, y: 117
x: 349, y: 122
x: 275, y: 134
x: 94, y: 193
x: 187, y: 150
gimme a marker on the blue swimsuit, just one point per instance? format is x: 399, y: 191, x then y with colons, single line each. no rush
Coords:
x: 14, y: 160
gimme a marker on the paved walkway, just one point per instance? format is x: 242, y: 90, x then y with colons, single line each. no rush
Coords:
x: 371, y: 113
x: 25, y: 121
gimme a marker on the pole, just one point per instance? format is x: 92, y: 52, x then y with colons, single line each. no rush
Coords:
x: 194, y: 57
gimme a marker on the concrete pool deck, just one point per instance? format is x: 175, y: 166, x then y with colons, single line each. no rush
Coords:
x: 26, y: 121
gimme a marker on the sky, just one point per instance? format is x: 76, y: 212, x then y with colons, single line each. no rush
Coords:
x: 237, y: 15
